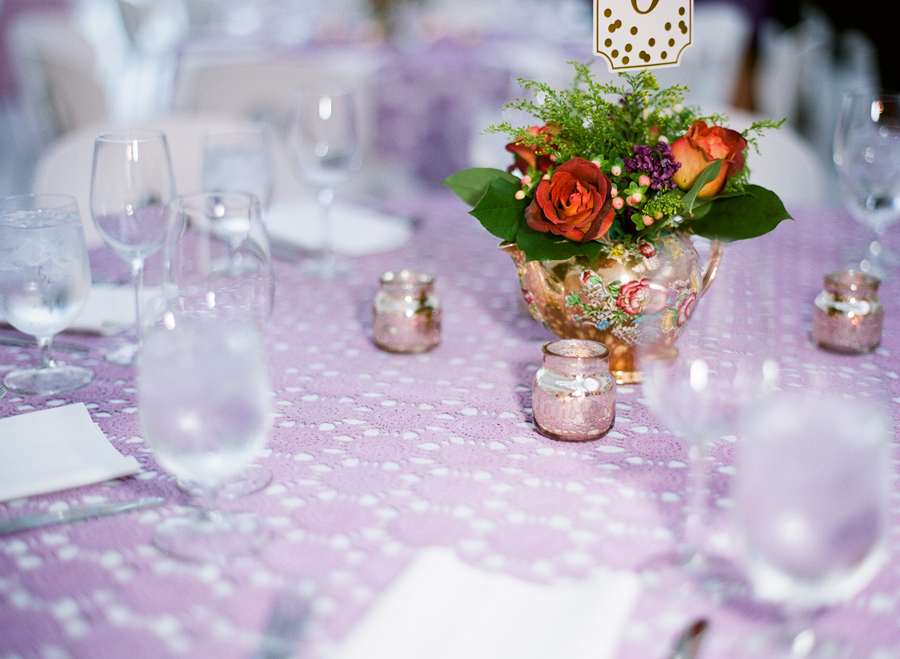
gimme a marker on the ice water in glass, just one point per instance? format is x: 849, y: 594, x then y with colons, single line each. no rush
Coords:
x: 45, y: 281
x: 812, y: 499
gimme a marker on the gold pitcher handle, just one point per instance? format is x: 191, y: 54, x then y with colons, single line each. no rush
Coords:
x: 711, y: 267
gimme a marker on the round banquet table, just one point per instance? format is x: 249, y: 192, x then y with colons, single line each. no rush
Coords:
x: 376, y: 456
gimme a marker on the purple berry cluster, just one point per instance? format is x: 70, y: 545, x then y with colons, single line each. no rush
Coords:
x: 656, y: 163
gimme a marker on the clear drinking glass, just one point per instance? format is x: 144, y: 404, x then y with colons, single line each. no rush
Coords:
x: 131, y: 183
x: 722, y: 366
x: 325, y: 146
x: 218, y: 264
x: 239, y: 158
x: 867, y: 157
x: 812, y: 495
x: 45, y: 280
x: 205, y: 410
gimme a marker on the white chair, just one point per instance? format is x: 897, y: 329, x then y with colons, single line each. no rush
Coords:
x: 711, y: 66
x: 802, y: 74
x: 260, y: 87
x: 786, y: 163
x: 65, y: 166
x: 57, y: 69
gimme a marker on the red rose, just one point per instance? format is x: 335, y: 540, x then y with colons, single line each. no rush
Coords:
x: 702, y: 145
x: 686, y: 308
x: 527, y: 156
x: 647, y: 250
x: 574, y: 203
x: 638, y: 296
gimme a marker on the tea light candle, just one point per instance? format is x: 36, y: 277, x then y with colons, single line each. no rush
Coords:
x: 848, y: 314
x: 574, y: 394
x: 406, y: 313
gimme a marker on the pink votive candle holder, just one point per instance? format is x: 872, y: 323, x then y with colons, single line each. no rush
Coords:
x: 574, y: 394
x: 848, y: 315
x: 406, y: 314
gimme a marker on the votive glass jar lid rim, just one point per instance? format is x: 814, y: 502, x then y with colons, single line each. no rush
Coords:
x: 852, y: 279
x: 580, y: 349
x: 407, y: 277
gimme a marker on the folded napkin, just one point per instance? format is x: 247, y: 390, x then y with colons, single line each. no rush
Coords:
x: 55, y: 449
x: 355, y: 231
x: 441, y: 608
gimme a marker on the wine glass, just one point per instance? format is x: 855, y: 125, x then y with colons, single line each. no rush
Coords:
x: 45, y: 280
x: 239, y: 158
x: 324, y: 144
x: 131, y: 183
x: 867, y: 157
x: 812, y: 494
x: 719, y: 368
x: 205, y: 408
x: 217, y: 263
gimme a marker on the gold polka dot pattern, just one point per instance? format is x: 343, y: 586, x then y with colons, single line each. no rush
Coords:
x: 634, y: 34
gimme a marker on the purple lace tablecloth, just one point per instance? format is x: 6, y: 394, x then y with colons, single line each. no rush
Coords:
x: 377, y: 455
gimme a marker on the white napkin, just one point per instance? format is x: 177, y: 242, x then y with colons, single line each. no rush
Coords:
x: 109, y: 310
x: 441, y: 608
x: 55, y: 449
x: 356, y: 231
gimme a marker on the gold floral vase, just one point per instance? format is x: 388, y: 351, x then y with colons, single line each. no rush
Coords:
x: 610, y: 298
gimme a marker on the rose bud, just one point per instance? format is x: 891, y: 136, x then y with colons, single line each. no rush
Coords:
x: 702, y: 145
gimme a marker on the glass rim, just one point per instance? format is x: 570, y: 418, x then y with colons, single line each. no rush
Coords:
x: 567, y: 349
x: 324, y: 89
x: 10, y: 203
x: 131, y: 135
x: 852, y: 279
x: 202, y: 195
x: 406, y: 277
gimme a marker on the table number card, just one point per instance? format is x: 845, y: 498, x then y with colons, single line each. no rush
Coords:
x: 638, y: 34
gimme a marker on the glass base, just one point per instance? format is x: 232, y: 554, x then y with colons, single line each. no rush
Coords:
x: 325, y: 266
x: 48, y: 381
x: 212, y: 536
x: 252, y: 479
x: 124, y: 355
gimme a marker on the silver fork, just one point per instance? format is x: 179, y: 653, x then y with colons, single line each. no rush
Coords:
x: 2, y: 390
x: 287, y: 623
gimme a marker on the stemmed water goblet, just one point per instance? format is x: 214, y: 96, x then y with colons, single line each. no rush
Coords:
x: 217, y: 262
x: 205, y: 410
x: 812, y: 497
x: 324, y: 143
x: 239, y: 158
x: 45, y: 280
x: 131, y: 183
x: 867, y: 157
x: 720, y: 367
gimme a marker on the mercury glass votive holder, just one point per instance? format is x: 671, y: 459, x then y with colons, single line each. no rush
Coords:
x: 848, y: 315
x: 574, y: 394
x: 406, y: 314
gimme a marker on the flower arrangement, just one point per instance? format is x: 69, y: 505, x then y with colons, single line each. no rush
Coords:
x: 618, y: 164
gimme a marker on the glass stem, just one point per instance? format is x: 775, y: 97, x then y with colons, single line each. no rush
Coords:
x: 326, y: 197
x: 45, y: 352
x: 692, y: 536
x: 137, y: 271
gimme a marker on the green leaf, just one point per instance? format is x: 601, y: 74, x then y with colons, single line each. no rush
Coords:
x: 539, y: 246
x: 471, y: 184
x: 499, y: 211
x: 709, y: 174
x: 755, y: 213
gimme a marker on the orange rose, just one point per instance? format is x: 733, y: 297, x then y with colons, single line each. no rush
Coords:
x: 527, y: 156
x: 701, y: 146
x: 574, y: 203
